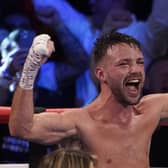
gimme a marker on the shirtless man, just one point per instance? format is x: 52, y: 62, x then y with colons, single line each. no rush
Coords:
x: 117, y: 126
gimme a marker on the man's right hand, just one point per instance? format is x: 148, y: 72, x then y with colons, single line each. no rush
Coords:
x: 41, y: 49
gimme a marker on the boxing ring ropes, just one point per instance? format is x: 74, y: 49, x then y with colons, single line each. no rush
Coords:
x: 5, y: 112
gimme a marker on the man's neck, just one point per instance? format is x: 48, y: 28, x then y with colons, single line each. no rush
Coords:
x: 106, y: 107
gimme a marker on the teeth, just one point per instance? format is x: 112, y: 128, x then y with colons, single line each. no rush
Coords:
x: 134, y: 81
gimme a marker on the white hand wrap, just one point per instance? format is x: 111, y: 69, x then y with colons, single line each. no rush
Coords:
x: 33, y: 61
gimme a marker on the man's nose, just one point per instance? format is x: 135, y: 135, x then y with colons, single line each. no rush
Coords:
x: 135, y: 68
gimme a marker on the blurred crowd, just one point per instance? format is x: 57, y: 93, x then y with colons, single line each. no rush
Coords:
x: 66, y: 80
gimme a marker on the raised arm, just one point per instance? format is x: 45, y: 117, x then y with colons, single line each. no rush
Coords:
x: 46, y: 128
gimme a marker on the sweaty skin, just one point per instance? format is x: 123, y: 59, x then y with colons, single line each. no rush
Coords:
x: 119, y: 138
x: 116, y: 127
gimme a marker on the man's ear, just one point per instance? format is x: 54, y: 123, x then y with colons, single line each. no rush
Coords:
x: 100, y: 74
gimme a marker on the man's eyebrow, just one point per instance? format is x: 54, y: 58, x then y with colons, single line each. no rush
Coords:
x: 124, y: 59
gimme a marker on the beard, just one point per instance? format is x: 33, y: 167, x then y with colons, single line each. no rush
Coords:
x: 123, y: 98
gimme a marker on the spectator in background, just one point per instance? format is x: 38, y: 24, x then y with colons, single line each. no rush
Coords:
x: 156, y: 76
x: 4, y: 96
x: 74, y: 61
x: 107, y: 14
x: 14, y: 49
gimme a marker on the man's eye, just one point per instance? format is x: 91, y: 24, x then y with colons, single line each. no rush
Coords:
x: 123, y: 63
x: 141, y: 62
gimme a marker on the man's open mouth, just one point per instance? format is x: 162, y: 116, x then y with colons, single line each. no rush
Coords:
x: 133, y: 87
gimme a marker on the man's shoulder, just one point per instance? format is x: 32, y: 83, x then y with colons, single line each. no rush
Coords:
x: 153, y: 96
x: 75, y: 111
x: 153, y: 101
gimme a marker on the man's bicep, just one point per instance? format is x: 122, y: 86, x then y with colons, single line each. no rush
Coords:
x: 49, y: 128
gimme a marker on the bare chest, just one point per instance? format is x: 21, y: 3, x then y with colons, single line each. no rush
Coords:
x: 114, y: 136
x: 115, y: 144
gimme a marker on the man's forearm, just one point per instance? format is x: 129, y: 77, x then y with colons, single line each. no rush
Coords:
x: 21, y: 117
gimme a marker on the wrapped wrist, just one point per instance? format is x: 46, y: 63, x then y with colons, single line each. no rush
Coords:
x: 34, y: 59
x: 29, y: 74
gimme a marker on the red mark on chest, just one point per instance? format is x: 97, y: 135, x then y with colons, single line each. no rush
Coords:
x: 109, y: 161
x: 104, y: 121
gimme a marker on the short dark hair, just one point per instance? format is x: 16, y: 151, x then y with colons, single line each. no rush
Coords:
x: 107, y: 40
